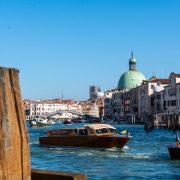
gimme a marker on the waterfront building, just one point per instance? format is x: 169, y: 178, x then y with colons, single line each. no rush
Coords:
x: 90, y: 108
x: 145, y: 100
x: 155, y: 100
x: 178, y: 97
x: 128, y: 115
x: 108, y: 103
x: 117, y: 106
x: 55, y: 108
x: 99, y: 102
x: 134, y: 101
x: 157, y: 107
x: 63, y: 109
x: 41, y: 108
x: 171, y: 103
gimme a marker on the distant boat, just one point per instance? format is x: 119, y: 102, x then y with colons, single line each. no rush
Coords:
x: 82, y: 121
x: 68, y: 121
x: 79, y: 121
x: 174, y: 152
x: 92, y: 135
x: 174, y: 149
x: 37, y: 122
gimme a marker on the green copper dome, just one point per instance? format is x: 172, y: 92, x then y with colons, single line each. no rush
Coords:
x: 131, y: 78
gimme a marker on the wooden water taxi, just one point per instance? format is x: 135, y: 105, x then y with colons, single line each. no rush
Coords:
x: 92, y: 135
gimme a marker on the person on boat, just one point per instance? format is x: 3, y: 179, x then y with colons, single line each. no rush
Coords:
x: 125, y: 132
x: 177, y: 140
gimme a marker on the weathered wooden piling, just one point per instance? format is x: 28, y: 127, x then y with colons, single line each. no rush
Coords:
x: 148, y: 123
x: 14, y: 147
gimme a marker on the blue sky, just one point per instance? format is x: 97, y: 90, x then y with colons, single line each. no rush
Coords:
x: 63, y: 46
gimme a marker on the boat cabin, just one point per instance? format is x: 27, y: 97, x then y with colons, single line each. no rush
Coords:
x: 87, y: 130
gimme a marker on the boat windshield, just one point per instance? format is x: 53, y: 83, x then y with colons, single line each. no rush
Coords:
x: 83, y: 132
x: 102, y: 131
x: 113, y: 130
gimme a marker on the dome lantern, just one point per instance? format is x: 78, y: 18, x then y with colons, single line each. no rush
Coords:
x: 132, y: 62
x: 131, y: 78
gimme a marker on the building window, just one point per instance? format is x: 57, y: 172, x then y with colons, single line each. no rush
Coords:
x: 164, y: 103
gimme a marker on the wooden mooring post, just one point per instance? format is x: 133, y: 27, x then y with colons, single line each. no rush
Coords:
x: 14, y: 144
x: 148, y: 123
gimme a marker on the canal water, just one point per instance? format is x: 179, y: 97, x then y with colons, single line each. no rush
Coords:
x: 144, y: 157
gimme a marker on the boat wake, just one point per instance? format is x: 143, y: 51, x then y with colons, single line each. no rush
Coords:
x: 34, y: 143
x: 125, y: 147
x: 137, y: 155
x: 113, y: 149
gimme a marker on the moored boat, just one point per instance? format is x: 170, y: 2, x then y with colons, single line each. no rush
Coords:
x: 92, y: 135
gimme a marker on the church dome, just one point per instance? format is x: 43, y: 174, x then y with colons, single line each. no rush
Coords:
x: 131, y: 78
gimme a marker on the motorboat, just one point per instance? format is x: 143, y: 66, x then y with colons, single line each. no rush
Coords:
x: 68, y: 121
x: 91, y: 135
x: 174, y: 149
x: 37, y: 122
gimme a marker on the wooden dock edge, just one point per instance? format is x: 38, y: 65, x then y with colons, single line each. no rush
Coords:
x: 55, y: 175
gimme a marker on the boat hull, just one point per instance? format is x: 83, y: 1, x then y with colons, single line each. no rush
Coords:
x: 85, y: 141
x: 174, y: 152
